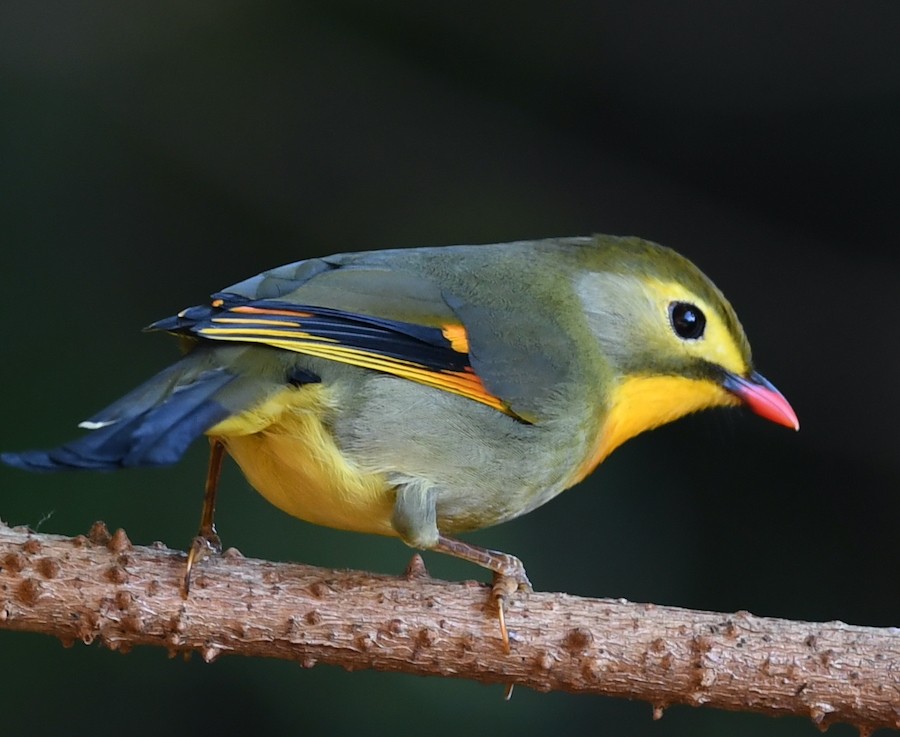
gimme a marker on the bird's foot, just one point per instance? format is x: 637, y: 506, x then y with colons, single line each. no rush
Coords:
x: 509, y: 579
x: 205, y: 544
x: 509, y: 574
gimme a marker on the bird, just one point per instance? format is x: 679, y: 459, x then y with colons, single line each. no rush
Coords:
x: 421, y: 393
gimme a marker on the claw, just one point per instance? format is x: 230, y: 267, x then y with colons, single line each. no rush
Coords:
x: 503, y: 587
x: 501, y: 618
x: 202, y: 547
x: 207, y: 541
x: 509, y: 576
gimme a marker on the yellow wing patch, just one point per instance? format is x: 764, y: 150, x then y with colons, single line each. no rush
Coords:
x: 436, y: 355
x: 464, y: 382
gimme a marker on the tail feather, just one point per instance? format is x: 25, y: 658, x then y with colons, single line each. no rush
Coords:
x: 140, y: 399
x: 151, y: 426
x: 100, y: 450
x: 165, y: 433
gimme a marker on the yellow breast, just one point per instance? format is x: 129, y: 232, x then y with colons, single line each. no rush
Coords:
x: 288, y: 455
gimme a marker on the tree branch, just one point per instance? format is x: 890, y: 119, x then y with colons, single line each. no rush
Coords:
x: 102, y: 587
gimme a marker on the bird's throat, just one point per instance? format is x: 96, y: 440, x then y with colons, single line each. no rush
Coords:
x: 640, y: 403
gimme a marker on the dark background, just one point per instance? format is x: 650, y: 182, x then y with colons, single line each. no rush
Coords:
x: 152, y: 154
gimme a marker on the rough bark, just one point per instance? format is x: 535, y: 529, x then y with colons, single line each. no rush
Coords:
x: 100, y: 587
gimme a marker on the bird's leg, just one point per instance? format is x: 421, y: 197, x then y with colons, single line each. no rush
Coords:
x: 415, y: 521
x: 509, y: 573
x: 206, y: 541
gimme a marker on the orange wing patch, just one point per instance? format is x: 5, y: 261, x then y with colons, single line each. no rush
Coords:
x: 457, y: 336
x: 248, y: 310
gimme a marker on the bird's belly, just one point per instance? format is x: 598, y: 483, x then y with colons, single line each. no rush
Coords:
x: 295, y: 464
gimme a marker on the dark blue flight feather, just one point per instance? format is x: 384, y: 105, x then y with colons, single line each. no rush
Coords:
x: 151, y: 433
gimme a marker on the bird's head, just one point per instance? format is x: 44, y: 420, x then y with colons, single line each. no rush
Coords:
x: 672, y: 342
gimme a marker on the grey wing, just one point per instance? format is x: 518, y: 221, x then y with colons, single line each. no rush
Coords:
x: 516, y: 348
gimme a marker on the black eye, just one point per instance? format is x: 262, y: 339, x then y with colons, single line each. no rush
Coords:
x: 688, y: 321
